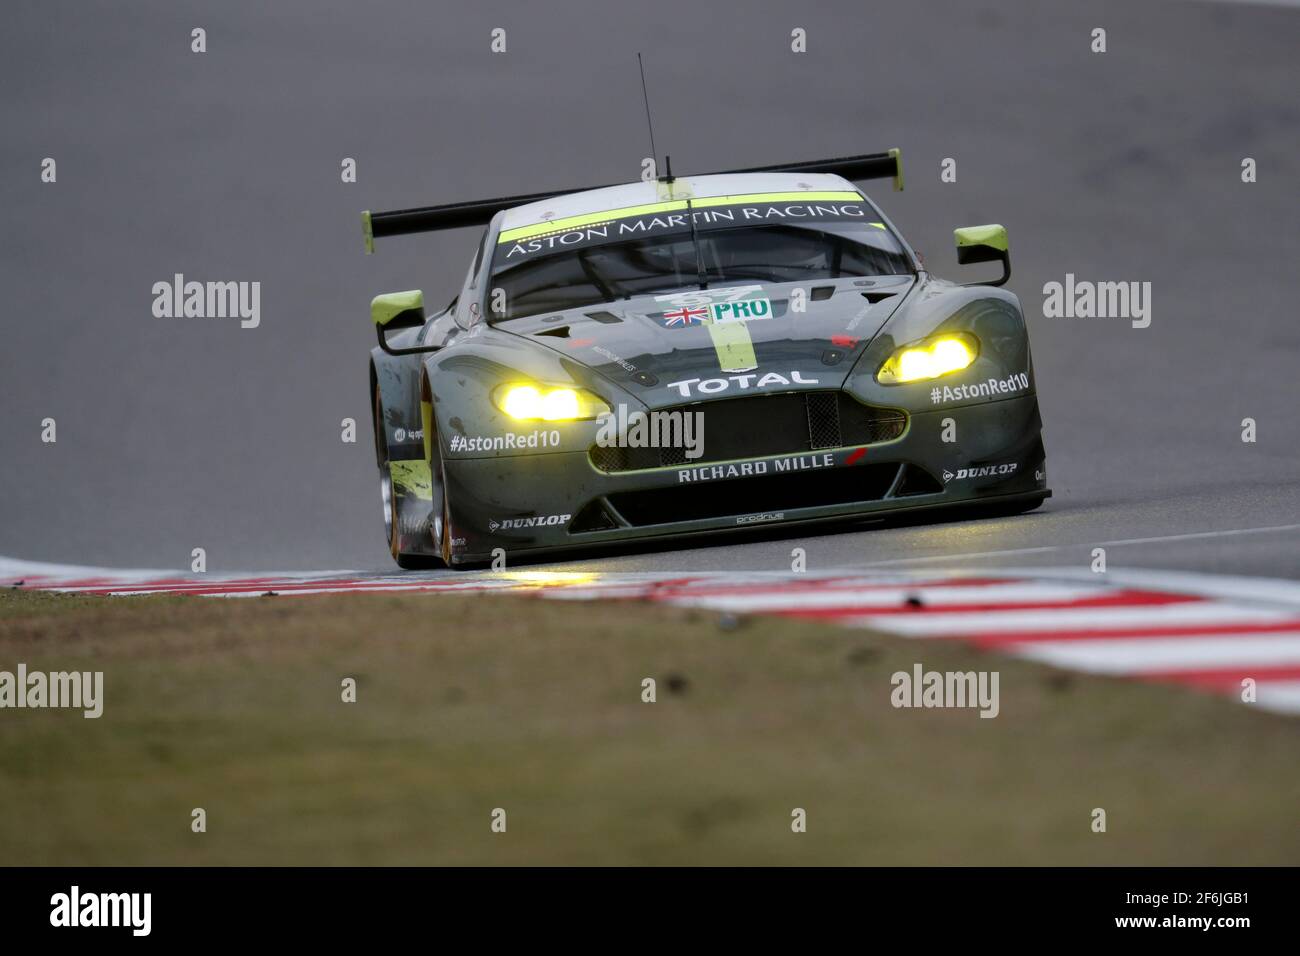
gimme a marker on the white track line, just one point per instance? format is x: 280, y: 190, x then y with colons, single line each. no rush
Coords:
x: 782, y: 600
x: 980, y: 622
x: 1045, y: 549
x: 1220, y: 586
x: 1282, y: 696
x: 1140, y: 655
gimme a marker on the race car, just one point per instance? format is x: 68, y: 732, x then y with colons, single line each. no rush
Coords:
x: 689, y: 356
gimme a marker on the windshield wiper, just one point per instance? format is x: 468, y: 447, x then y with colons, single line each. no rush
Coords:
x: 603, y: 283
x: 695, y: 242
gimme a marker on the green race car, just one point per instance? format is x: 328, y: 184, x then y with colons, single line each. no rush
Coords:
x: 694, y: 355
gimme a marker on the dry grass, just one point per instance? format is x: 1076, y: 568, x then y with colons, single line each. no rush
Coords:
x: 471, y: 703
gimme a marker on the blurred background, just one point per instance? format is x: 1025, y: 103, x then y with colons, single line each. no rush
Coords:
x: 225, y: 165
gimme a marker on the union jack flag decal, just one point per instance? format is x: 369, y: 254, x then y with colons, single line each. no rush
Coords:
x: 684, y: 316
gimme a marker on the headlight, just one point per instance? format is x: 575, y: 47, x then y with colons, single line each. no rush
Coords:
x: 548, y: 403
x: 929, y: 358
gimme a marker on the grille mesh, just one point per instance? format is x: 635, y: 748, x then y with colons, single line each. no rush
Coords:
x: 886, y: 426
x: 756, y: 427
x: 823, y: 420
x: 672, y: 456
x: 608, y: 458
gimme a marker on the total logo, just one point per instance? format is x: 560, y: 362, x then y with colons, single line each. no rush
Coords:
x: 985, y: 471
x: 537, y: 521
x: 710, y: 386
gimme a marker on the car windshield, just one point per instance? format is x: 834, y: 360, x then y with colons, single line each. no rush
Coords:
x: 577, y: 269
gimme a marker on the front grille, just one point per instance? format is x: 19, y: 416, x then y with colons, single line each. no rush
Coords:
x: 823, y: 420
x: 606, y: 458
x: 766, y: 425
x: 769, y: 494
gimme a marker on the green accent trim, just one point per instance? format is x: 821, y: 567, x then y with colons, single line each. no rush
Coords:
x: 646, y: 209
x: 367, y: 230
x: 426, y: 425
x: 993, y: 236
x: 807, y: 195
x: 878, y: 225
x: 734, y: 346
x: 384, y: 308
x: 413, y: 478
x: 898, y: 169
x: 677, y: 189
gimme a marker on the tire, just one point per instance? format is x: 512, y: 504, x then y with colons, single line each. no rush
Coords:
x: 438, y: 475
x: 404, y: 560
x: 444, y: 531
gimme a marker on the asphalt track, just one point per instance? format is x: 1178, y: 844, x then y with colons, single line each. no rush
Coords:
x: 175, y: 434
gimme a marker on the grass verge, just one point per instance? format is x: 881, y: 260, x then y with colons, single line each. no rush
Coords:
x: 466, y: 704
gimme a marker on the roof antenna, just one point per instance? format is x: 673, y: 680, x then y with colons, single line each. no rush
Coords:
x: 649, y: 122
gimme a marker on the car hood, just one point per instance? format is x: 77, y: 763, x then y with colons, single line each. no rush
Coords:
x: 692, y: 346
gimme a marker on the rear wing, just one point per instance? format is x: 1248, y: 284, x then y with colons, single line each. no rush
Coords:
x: 401, y: 222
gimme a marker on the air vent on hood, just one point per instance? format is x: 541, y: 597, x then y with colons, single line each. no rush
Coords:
x: 822, y: 292
x: 606, y: 317
x: 562, y: 332
x: 874, y: 297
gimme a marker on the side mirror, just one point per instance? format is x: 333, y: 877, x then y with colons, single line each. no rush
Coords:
x: 984, y: 244
x: 398, y: 310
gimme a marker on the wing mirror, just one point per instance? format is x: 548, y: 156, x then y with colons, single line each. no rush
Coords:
x: 398, y: 310
x: 984, y: 244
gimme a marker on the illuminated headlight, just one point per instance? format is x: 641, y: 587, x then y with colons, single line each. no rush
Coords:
x: 548, y: 403
x: 930, y: 358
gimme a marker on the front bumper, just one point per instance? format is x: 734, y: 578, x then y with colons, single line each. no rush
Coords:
x: 527, y: 504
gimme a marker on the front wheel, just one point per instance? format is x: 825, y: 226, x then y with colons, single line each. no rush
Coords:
x: 401, y: 521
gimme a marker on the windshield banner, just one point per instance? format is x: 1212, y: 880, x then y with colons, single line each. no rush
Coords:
x: 666, y: 218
